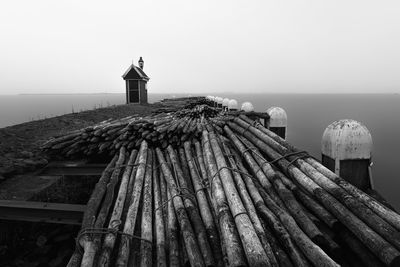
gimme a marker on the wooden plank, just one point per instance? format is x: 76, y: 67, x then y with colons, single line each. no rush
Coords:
x: 72, y: 170
x: 41, y: 212
x: 26, y: 186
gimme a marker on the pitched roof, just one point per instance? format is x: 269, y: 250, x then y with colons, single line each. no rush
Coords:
x: 135, y: 72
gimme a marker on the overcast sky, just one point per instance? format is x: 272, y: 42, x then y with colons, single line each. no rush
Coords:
x: 201, y: 46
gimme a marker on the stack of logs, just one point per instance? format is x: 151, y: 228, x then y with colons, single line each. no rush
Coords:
x: 175, y: 104
x: 235, y: 194
x: 161, y: 129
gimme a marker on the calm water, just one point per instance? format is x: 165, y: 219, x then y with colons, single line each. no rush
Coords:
x: 308, y: 116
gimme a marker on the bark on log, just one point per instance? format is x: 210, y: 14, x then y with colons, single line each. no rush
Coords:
x: 146, y: 244
x: 253, y: 248
x: 381, y: 248
x: 194, y: 254
x: 229, y: 235
x: 161, y: 257
x: 129, y: 226
x: 89, y: 217
x: 204, y: 208
x: 115, y: 220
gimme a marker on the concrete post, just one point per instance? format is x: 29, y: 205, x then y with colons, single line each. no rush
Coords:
x: 219, y: 102
x: 225, y: 103
x: 346, y: 150
x: 247, y: 107
x: 277, y: 122
x: 233, y: 105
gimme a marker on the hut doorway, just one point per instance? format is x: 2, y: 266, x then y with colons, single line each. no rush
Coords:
x: 134, y: 94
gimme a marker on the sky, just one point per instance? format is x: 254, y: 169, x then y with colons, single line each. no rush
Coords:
x: 290, y: 46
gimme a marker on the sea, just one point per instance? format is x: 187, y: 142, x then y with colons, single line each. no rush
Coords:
x: 308, y: 116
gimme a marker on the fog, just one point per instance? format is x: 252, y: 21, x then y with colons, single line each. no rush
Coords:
x: 201, y: 46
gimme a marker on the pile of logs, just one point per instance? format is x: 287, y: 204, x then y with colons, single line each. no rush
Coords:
x: 109, y: 136
x: 235, y: 194
x: 175, y: 104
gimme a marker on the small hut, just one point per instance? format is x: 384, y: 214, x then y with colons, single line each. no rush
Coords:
x: 136, y: 84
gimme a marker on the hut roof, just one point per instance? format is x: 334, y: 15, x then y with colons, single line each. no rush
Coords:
x: 136, y: 73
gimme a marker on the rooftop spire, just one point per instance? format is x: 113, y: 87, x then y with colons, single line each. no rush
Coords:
x: 141, y: 63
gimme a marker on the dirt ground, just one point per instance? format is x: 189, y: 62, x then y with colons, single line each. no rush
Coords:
x: 20, y: 144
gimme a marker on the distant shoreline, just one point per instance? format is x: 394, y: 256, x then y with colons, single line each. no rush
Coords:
x: 210, y: 93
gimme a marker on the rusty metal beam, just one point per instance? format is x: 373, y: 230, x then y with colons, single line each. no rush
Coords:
x: 41, y: 212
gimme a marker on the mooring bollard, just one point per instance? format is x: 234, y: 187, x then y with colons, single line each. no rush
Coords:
x: 277, y: 121
x: 214, y: 101
x: 247, y: 107
x: 219, y: 101
x: 232, y: 105
x: 346, y: 150
x: 225, y: 103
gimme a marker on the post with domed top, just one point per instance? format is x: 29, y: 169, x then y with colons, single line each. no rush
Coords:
x: 225, y: 103
x: 219, y: 100
x: 233, y: 105
x: 141, y: 63
x: 277, y: 121
x: 346, y: 150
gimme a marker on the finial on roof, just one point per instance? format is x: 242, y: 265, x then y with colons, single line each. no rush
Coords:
x: 141, y: 63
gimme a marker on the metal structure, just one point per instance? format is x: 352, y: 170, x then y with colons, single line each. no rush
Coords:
x: 34, y: 211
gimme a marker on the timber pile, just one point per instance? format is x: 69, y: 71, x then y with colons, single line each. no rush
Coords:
x: 109, y: 136
x: 174, y: 104
x: 235, y: 194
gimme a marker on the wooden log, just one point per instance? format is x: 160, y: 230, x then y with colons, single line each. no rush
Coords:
x: 90, y: 214
x: 146, y: 245
x: 194, y: 254
x: 161, y: 257
x: 313, y: 252
x: 253, y: 248
x: 128, y: 198
x: 115, y: 220
x: 311, y: 204
x: 192, y: 211
x: 164, y: 206
x: 183, y: 164
x: 381, y: 248
x: 255, y: 168
x: 89, y: 255
x: 204, y: 208
x: 202, y: 162
x: 173, y: 234
x: 363, y: 212
x: 183, y: 259
x: 367, y: 258
x: 295, y: 209
x: 251, y: 210
x: 278, y: 143
x: 272, y: 221
x: 281, y: 256
x: 229, y: 236
x: 383, y: 211
x: 129, y: 226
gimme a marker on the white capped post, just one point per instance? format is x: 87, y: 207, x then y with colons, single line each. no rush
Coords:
x: 233, y: 105
x: 346, y: 150
x: 225, y: 103
x: 247, y: 107
x: 277, y: 121
x: 219, y: 101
